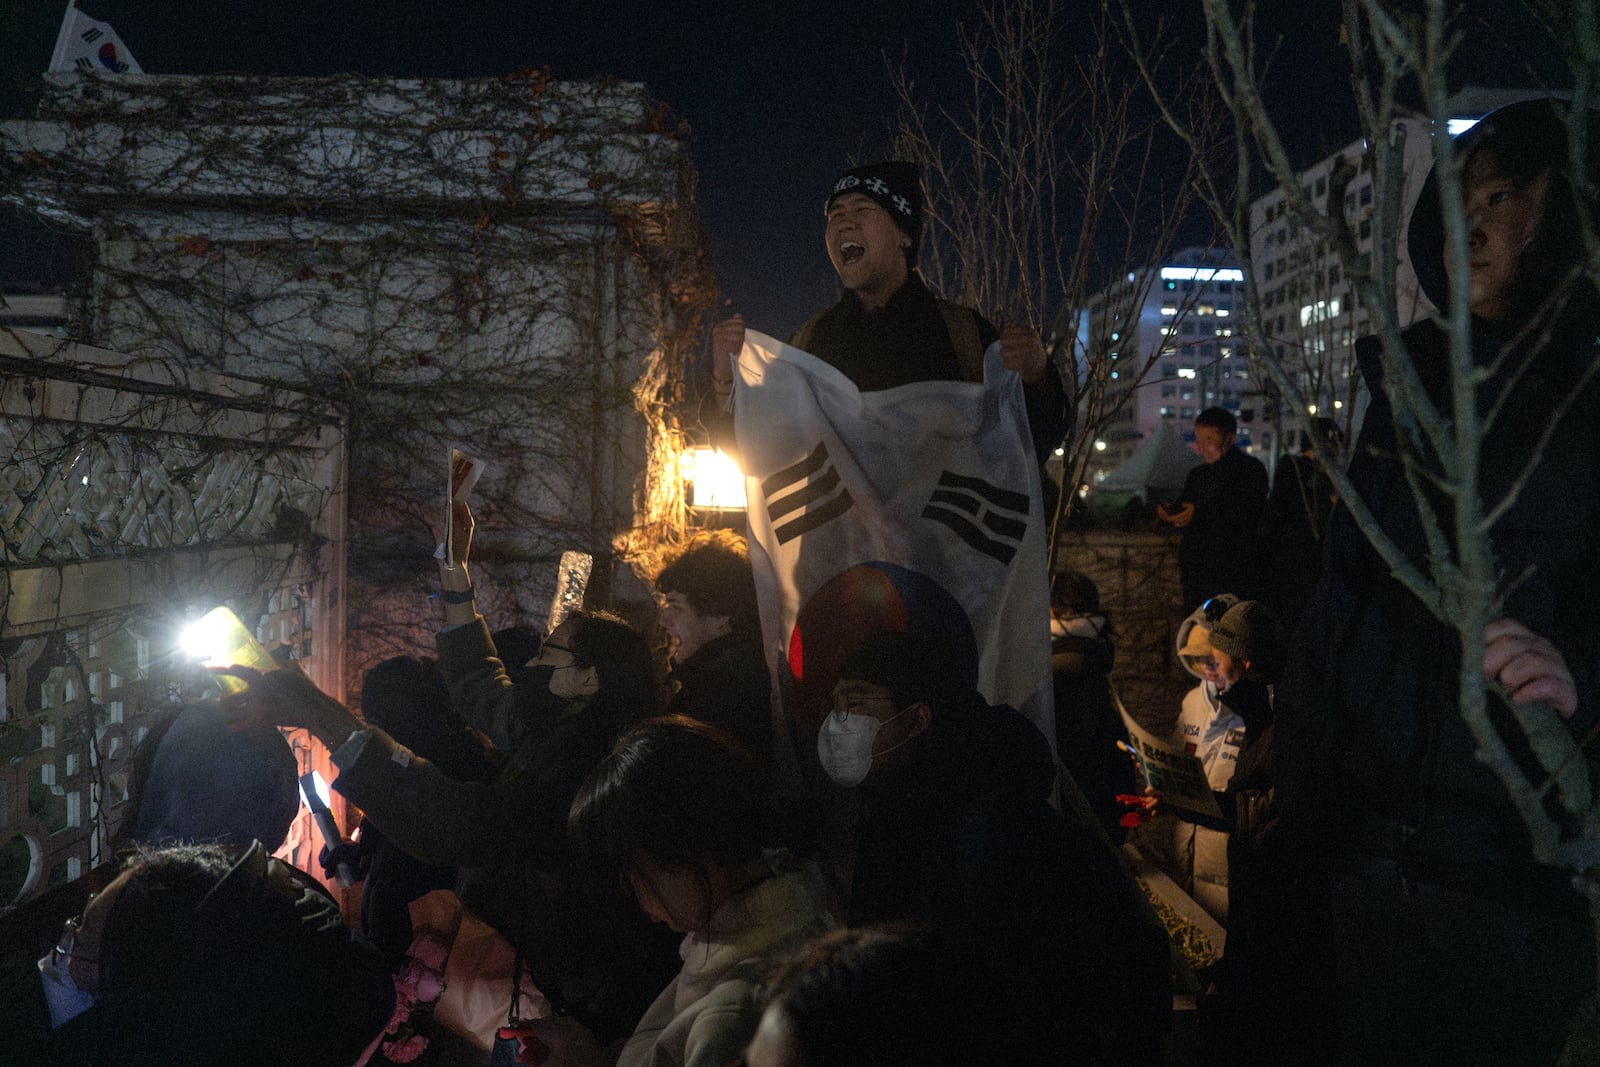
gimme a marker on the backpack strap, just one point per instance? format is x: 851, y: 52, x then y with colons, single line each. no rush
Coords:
x: 801, y: 338
x: 961, y: 323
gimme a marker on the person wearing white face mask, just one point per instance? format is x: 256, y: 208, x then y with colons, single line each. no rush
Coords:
x: 956, y: 833
x: 848, y: 742
x: 509, y: 833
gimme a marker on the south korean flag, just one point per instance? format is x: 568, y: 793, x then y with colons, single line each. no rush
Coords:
x: 909, y: 508
x: 88, y: 45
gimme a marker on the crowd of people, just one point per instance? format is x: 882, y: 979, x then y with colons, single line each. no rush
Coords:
x: 569, y: 862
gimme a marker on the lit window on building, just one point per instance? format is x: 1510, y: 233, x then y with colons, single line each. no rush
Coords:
x: 1320, y: 311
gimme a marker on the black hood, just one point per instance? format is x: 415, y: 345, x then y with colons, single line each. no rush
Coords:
x: 1528, y: 129
x: 971, y: 750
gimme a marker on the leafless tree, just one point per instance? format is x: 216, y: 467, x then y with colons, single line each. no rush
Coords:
x: 1442, y: 437
x: 1047, y: 180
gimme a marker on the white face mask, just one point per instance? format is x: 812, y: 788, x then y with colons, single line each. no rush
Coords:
x: 61, y: 993
x: 844, y: 745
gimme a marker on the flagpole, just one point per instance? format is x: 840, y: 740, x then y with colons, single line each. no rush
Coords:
x: 62, y: 37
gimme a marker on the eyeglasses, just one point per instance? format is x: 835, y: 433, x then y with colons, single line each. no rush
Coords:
x: 558, y: 648
x: 68, y: 943
x: 1216, y: 607
x: 850, y: 703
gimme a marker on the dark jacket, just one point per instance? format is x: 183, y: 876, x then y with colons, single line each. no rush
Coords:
x: 1088, y: 725
x: 1247, y: 805
x: 510, y: 833
x: 960, y: 836
x: 726, y: 684
x: 1299, y: 519
x: 1221, y: 548
x: 1371, y: 689
x: 910, y: 340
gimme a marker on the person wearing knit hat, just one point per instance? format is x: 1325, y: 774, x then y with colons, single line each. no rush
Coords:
x: 894, y: 186
x: 889, y: 329
x: 1245, y: 641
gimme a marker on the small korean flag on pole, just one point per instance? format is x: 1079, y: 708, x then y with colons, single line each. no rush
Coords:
x: 88, y: 44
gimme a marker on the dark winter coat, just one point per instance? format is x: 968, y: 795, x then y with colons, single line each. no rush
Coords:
x: 910, y: 339
x: 960, y: 836
x: 1221, y: 548
x: 1299, y: 518
x: 725, y: 683
x: 1088, y: 725
x: 510, y: 835
x: 1374, y: 683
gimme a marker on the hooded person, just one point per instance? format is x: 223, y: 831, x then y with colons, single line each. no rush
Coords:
x: 1437, y: 915
x: 888, y: 328
x: 956, y: 833
x: 1195, y: 855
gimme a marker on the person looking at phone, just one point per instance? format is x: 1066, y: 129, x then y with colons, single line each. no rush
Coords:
x: 1219, y: 513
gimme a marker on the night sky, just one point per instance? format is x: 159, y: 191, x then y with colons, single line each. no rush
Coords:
x: 780, y: 96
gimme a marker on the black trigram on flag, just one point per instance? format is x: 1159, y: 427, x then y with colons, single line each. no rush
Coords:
x: 92, y: 34
x: 990, y: 519
x: 817, y: 499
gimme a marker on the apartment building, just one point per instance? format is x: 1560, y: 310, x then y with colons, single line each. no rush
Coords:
x: 1166, y: 339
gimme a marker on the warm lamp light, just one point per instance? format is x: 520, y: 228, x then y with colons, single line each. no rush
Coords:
x: 715, y: 481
